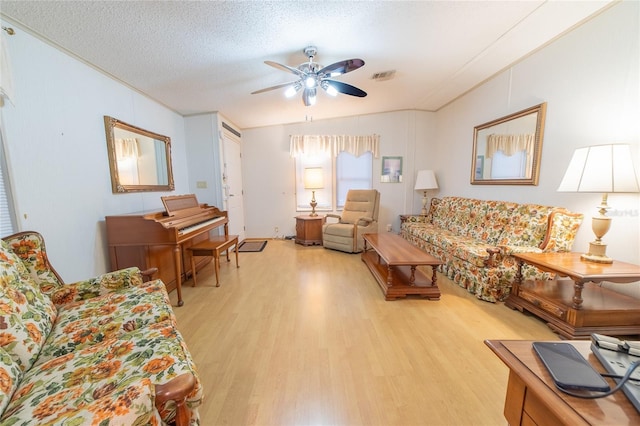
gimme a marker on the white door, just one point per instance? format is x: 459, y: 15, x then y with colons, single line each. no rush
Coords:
x: 232, y: 183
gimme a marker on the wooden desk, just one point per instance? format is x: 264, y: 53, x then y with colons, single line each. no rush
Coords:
x: 393, y: 263
x: 532, y: 397
x: 577, y: 307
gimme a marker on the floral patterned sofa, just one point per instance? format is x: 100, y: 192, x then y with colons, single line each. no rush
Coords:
x: 105, y: 351
x: 476, y: 240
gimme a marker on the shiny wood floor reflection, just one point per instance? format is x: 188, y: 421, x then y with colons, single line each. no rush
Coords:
x: 303, y: 336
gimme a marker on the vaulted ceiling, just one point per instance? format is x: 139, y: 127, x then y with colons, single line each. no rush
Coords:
x: 205, y: 56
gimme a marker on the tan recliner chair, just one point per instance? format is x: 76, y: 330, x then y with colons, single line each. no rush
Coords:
x: 359, y: 216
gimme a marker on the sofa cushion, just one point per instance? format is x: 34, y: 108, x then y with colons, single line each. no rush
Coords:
x: 81, y: 324
x: 77, y: 380
x: 527, y: 226
x: 564, y: 227
x: 27, y: 315
x: 10, y: 375
x: 30, y: 248
x: 18, y: 277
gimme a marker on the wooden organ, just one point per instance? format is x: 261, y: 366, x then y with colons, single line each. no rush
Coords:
x: 158, y: 239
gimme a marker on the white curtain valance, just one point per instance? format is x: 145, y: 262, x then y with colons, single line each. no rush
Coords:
x: 334, y: 144
x: 509, y: 144
x: 126, y: 148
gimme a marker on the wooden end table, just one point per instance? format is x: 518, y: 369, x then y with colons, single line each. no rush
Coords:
x: 532, y: 397
x: 576, y: 307
x: 309, y: 230
x: 393, y: 261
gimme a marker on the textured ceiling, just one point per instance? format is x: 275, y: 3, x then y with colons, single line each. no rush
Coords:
x: 204, y: 56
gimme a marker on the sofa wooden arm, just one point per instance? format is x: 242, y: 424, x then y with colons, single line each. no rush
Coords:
x: 177, y: 390
x: 147, y: 274
x: 493, y: 254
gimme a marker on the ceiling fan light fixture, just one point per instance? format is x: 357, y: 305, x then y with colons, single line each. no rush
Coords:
x: 310, y: 82
x: 311, y: 76
x: 329, y: 88
x: 292, y: 90
x: 309, y: 97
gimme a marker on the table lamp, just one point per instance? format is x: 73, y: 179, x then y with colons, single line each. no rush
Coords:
x: 425, y: 180
x: 313, y: 180
x: 603, y: 169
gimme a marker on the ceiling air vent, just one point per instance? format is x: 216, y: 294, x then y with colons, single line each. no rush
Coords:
x: 384, y: 75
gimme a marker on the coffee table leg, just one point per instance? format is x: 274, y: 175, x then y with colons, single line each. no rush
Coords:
x: 433, y: 276
x: 389, y: 276
x: 577, y: 294
x: 412, y: 278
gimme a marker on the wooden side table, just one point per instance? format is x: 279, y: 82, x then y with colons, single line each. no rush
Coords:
x: 578, y: 306
x: 532, y: 398
x: 309, y: 230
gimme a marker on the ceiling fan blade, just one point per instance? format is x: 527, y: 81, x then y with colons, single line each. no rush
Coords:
x: 345, y: 88
x: 278, y: 86
x: 282, y: 67
x: 342, y: 67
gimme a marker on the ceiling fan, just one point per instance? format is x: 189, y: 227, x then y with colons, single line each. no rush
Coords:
x: 311, y: 75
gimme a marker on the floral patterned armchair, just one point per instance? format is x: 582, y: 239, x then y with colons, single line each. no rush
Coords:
x: 101, y: 351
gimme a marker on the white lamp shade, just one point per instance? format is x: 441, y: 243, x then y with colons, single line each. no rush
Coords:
x: 426, y: 179
x: 313, y: 178
x: 600, y: 168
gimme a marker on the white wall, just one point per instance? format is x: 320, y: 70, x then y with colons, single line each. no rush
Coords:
x: 269, y: 172
x: 57, y: 150
x: 590, y: 81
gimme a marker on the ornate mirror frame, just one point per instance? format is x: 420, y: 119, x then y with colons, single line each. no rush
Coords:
x: 139, y: 160
x: 500, y: 140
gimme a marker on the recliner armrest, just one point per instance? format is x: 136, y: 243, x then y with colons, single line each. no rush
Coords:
x: 366, y: 219
x: 333, y: 215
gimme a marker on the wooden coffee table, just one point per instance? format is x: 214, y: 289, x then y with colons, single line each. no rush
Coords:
x: 393, y: 261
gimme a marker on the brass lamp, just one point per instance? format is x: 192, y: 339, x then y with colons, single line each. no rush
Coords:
x: 313, y: 180
x: 425, y: 180
x: 604, y: 169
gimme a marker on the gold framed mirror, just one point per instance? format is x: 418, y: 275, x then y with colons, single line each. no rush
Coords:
x: 139, y: 160
x: 507, y: 151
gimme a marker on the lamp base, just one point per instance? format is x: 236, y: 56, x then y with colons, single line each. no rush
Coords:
x: 597, y: 253
x: 313, y: 204
x: 424, y: 204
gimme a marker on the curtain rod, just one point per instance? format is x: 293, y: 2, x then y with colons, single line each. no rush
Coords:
x: 9, y: 30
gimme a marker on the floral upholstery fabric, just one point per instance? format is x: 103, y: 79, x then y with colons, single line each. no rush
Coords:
x: 564, y: 227
x: 10, y: 375
x: 76, y: 380
x: 27, y: 314
x: 460, y: 230
x: 90, y: 352
x: 81, y: 324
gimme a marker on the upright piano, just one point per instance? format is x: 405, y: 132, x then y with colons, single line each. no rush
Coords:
x: 158, y: 239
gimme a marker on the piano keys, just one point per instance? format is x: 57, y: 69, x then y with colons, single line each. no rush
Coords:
x: 158, y: 239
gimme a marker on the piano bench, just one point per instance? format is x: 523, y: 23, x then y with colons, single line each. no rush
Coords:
x: 213, y: 247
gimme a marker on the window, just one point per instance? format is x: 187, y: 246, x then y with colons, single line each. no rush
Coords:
x: 351, y: 172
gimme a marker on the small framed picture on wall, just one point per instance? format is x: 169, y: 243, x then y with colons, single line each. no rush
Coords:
x: 391, y: 170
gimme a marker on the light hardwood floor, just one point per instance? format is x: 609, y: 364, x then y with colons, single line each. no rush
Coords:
x: 303, y: 336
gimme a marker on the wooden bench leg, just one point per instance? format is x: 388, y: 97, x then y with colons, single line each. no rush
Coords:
x: 237, y: 264
x: 216, y: 259
x: 193, y: 269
